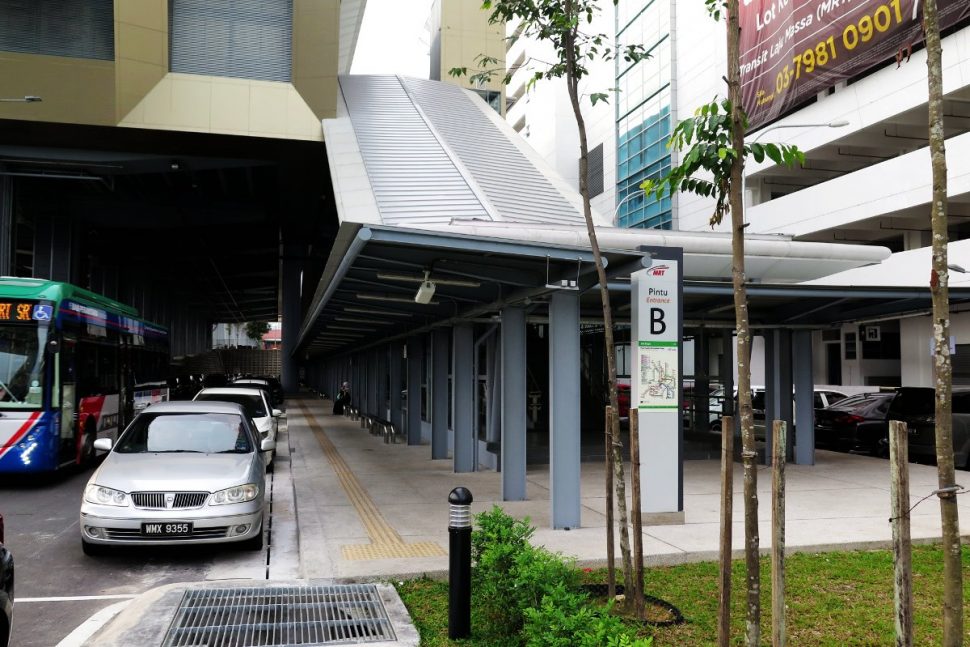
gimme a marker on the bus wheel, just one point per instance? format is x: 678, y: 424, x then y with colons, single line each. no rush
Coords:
x: 88, y: 453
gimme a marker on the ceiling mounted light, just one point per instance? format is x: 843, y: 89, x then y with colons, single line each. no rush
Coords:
x: 373, y: 322
x: 373, y: 312
x: 411, y: 278
x: 362, y: 330
x: 425, y: 291
x: 370, y: 296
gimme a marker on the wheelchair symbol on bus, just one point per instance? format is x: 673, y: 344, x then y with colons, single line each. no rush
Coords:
x: 42, y: 313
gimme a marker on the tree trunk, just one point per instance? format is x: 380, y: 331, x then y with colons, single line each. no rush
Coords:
x: 943, y: 371
x: 749, y: 453
x: 572, y: 84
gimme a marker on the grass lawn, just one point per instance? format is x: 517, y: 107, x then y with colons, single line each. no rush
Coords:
x: 843, y: 598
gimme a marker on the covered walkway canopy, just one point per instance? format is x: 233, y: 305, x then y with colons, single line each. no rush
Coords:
x: 430, y: 184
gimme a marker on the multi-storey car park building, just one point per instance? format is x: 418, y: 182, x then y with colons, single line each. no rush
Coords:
x: 861, y: 119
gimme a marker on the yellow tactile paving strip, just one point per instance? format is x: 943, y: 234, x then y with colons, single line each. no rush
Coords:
x: 385, y: 542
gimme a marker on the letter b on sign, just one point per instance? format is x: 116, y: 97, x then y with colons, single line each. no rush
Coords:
x: 657, y: 324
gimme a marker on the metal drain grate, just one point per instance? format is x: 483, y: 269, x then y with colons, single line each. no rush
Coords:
x: 280, y: 616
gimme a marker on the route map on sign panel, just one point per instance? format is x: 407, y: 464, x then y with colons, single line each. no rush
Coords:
x: 658, y: 364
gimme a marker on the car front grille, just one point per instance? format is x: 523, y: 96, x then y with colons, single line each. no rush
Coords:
x: 134, y: 534
x: 156, y: 500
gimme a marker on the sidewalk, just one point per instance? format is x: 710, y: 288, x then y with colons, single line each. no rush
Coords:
x: 369, y: 510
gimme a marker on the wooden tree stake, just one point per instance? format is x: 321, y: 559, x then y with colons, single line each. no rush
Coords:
x: 902, y: 546
x: 727, y: 514
x: 779, y: 637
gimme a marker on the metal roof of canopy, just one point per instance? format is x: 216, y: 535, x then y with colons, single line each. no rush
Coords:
x: 366, y: 294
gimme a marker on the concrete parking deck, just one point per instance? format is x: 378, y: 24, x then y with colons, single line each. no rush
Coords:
x: 370, y: 511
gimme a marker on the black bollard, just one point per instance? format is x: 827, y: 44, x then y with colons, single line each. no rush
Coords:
x: 459, y: 564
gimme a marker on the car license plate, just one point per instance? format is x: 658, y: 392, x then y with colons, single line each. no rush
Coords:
x: 167, y: 529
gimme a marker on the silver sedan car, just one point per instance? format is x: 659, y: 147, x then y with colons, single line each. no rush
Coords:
x: 181, y: 473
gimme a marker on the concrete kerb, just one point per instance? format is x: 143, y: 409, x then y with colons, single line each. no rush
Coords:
x: 146, y: 619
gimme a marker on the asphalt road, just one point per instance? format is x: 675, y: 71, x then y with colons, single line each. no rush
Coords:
x: 57, y: 587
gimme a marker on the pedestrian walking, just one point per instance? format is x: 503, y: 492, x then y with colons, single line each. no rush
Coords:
x: 342, y: 400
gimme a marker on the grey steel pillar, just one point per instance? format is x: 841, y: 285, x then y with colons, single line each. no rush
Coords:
x: 783, y: 377
x: 702, y: 383
x: 55, y: 248
x: 372, y: 379
x: 440, y: 344
x: 292, y: 266
x: 382, y: 382
x: 394, y: 379
x: 771, y: 388
x: 804, y: 398
x: 564, y: 388
x: 6, y: 226
x: 726, y: 370
x: 415, y: 375
x: 463, y: 389
x: 514, y: 394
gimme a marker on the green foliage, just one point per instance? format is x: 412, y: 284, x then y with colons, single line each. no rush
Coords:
x: 548, y: 20
x: 510, y: 574
x: 707, y: 139
x: 526, y: 593
x: 566, y: 619
x: 256, y: 329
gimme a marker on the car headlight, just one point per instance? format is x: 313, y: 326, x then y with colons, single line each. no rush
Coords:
x: 100, y: 495
x: 238, y: 494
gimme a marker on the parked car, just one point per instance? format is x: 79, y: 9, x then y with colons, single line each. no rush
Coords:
x: 922, y: 426
x: 257, y: 407
x: 181, y: 473
x: 856, y: 423
x: 256, y: 383
x: 276, y: 388
x: 6, y: 590
x: 822, y: 398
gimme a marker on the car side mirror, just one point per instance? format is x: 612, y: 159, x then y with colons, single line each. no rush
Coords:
x: 267, y: 445
x: 104, y: 444
x: 277, y: 413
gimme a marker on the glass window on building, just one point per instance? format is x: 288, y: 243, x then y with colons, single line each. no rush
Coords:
x: 492, y: 98
x: 643, y: 119
x: 245, y: 39
x: 73, y: 28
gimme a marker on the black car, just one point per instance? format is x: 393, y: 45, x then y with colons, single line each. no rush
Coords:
x: 857, y: 423
x: 6, y: 591
x: 922, y: 428
x: 860, y: 423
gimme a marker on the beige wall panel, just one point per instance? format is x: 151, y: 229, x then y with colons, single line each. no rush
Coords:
x: 75, y: 90
x: 316, y: 29
x: 141, y: 49
x: 141, y: 44
x: 151, y: 14
x: 197, y: 103
x: 465, y: 35
x: 268, y: 109
x: 230, y: 101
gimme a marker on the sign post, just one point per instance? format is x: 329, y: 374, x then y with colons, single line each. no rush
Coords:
x: 657, y: 380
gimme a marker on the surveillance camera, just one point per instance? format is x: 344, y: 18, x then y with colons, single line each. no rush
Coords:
x: 425, y: 292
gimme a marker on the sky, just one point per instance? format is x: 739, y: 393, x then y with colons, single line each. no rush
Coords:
x: 393, y: 39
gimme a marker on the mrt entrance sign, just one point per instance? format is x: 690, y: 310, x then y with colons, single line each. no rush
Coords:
x: 657, y: 380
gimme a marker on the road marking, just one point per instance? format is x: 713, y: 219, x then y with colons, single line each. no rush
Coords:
x: 90, y: 626
x: 386, y: 543
x: 76, y: 598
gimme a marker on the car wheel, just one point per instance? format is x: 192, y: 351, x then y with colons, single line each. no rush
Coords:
x: 93, y: 550
x: 253, y: 543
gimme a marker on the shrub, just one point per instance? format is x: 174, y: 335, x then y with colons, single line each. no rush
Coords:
x: 524, y: 593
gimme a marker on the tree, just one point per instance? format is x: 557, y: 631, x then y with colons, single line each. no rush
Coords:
x: 715, y: 139
x: 256, y: 329
x: 942, y: 368
x: 559, y: 22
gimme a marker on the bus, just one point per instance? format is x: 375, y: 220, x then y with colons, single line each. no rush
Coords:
x: 75, y: 366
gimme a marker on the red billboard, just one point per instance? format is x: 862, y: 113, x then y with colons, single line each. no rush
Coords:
x: 793, y: 49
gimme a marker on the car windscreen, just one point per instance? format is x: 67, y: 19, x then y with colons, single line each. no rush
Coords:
x: 252, y: 404
x: 867, y: 404
x: 206, y: 433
